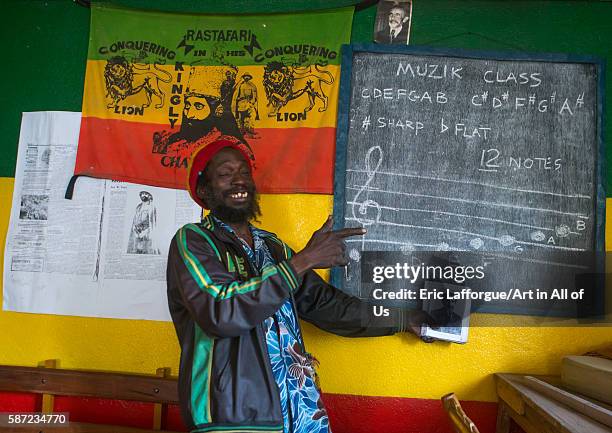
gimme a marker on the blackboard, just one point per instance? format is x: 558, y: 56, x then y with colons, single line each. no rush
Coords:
x: 447, y: 150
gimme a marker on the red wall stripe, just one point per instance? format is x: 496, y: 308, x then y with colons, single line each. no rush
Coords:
x: 347, y: 413
x: 19, y: 402
x: 364, y: 414
x: 116, y: 412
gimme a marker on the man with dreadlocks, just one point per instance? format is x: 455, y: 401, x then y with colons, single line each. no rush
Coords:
x: 235, y: 293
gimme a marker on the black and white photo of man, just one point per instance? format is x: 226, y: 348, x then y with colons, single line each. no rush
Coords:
x: 144, y: 224
x: 393, y: 22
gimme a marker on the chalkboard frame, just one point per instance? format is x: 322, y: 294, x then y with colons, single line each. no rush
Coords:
x: 597, y: 306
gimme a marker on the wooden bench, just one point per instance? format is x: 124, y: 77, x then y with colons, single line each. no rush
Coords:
x: 536, y: 411
x: 48, y: 381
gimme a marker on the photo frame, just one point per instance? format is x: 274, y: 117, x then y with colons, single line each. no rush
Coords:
x: 393, y: 21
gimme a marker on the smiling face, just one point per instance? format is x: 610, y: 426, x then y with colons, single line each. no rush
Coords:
x: 396, y: 17
x: 227, y: 187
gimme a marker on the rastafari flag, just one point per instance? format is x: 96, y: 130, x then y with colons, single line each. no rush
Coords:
x: 158, y: 85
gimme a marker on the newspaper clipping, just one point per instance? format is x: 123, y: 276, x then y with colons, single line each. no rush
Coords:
x: 101, y: 254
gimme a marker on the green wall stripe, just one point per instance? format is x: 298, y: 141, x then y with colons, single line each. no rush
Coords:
x: 47, y: 65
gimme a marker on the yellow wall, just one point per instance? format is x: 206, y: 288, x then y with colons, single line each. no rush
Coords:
x: 399, y: 365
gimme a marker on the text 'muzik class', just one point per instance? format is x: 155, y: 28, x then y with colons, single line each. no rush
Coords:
x: 453, y: 72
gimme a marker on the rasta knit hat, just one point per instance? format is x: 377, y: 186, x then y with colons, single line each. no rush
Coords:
x: 202, y: 155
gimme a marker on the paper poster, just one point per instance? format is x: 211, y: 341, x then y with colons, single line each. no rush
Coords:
x: 101, y: 254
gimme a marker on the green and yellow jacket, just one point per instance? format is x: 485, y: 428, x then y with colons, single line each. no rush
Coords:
x: 218, y: 304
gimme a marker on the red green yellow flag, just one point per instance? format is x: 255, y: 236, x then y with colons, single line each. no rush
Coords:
x: 158, y: 85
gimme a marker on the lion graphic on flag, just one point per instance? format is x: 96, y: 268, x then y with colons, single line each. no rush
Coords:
x: 124, y: 79
x: 285, y: 83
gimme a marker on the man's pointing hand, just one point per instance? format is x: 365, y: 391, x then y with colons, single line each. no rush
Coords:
x: 325, y: 248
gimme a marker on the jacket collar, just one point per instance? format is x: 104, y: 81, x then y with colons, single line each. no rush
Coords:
x: 209, y: 223
x: 272, y: 241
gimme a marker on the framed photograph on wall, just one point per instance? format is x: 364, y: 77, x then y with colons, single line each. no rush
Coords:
x: 392, y: 24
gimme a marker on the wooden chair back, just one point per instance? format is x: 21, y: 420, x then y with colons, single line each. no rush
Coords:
x: 160, y: 389
x: 459, y: 419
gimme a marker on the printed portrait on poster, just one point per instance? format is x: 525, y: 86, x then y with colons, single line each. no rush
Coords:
x: 143, y: 233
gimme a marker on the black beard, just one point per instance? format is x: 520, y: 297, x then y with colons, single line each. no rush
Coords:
x: 193, y: 129
x: 230, y: 214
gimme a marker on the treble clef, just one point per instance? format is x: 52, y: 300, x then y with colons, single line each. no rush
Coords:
x: 374, y: 155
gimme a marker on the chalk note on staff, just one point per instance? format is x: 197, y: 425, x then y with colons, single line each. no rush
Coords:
x: 464, y: 151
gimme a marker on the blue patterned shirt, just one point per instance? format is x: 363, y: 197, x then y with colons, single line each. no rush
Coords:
x: 292, y: 366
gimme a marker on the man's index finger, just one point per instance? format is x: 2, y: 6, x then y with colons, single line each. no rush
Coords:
x: 352, y: 231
